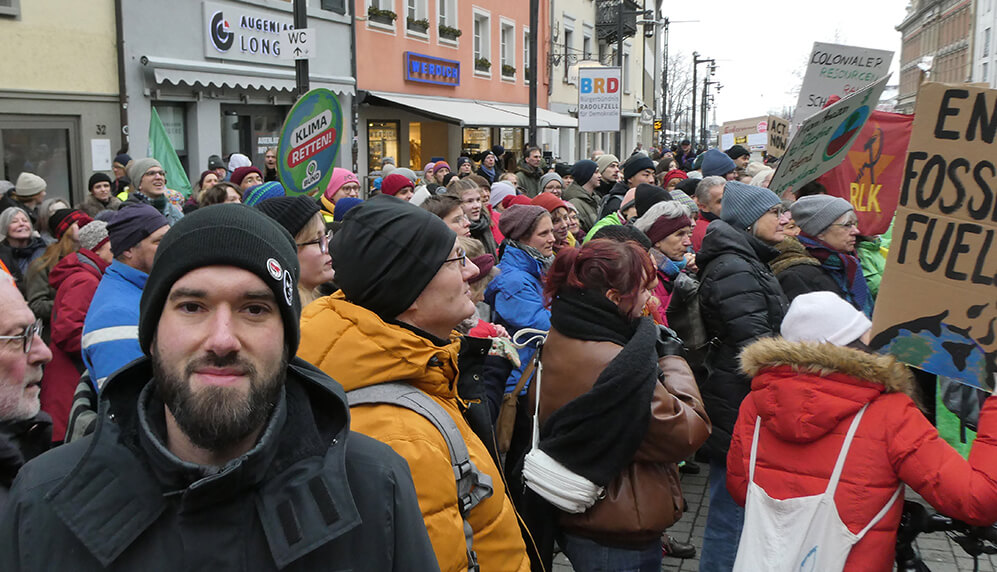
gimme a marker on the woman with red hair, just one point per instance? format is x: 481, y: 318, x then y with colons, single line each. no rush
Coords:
x: 618, y: 406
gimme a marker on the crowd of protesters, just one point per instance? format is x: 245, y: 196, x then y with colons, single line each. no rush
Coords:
x: 456, y: 368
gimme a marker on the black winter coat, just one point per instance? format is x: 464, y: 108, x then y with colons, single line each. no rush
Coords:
x: 800, y: 273
x: 310, y: 495
x: 21, y: 441
x: 612, y: 202
x: 740, y: 301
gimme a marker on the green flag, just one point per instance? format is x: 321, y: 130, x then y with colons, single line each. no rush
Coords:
x: 162, y: 150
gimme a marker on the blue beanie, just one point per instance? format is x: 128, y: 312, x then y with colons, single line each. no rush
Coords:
x: 744, y: 204
x: 716, y: 162
x: 258, y: 193
x: 343, y: 206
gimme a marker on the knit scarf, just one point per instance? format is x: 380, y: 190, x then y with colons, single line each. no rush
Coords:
x: 545, y: 261
x: 846, y: 270
x: 489, y: 172
x: 670, y: 267
x: 598, y: 433
x: 158, y: 202
x: 481, y: 229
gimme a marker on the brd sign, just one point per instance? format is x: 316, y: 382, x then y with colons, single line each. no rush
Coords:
x: 599, y: 99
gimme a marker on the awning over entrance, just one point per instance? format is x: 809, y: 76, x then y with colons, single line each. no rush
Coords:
x: 472, y: 113
x: 210, y: 74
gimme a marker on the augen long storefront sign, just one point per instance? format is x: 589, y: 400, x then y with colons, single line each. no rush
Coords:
x: 233, y: 32
x: 309, y: 143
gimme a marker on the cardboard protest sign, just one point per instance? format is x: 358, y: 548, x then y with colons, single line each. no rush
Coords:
x: 309, y: 143
x: 820, y: 143
x: 937, y: 304
x: 839, y: 70
x: 871, y: 175
x: 767, y: 134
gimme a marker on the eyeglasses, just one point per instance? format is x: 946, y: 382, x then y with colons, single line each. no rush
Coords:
x: 461, y: 257
x: 155, y: 173
x: 847, y: 225
x: 27, y: 336
x: 322, y: 242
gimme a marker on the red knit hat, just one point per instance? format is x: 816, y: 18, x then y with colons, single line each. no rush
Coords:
x: 395, y: 182
x: 673, y: 174
x: 515, y: 200
x: 549, y: 202
x: 240, y: 173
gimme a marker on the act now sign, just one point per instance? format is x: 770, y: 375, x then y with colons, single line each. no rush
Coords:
x: 599, y: 103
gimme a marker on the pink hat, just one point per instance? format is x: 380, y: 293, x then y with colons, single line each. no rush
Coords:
x: 628, y: 198
x: 428, y: 169
x: 339, y: 178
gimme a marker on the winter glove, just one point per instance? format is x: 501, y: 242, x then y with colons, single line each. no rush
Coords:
x: 669, y: 344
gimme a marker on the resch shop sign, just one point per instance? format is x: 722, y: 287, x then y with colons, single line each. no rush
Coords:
x: 233, y: 32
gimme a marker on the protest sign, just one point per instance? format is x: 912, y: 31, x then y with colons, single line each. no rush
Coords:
x: 820, y: 143
x: 937, y: 307
x: 599, y: 103
x: 765, y: 134
x: 871, y: 176
x: 839, y: 70
x: 309, y: 143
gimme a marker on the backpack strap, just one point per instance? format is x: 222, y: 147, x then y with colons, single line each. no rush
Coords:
x: 473, y: 485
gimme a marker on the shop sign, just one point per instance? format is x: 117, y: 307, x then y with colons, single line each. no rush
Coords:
x: 233, y: 32
x: 599, y: 100
x: 427, y: 69
x: 309, y: 143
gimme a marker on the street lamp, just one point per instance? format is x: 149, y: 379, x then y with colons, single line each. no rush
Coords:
x: 695, y: 66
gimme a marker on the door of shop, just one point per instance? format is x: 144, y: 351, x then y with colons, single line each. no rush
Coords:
x: 251, y: 129
x: 45, y: 146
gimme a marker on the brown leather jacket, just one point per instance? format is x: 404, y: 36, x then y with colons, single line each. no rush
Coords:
x: 646, y: 498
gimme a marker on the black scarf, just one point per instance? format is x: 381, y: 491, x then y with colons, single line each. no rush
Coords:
x: 597, y: 434
x: 481, y: 229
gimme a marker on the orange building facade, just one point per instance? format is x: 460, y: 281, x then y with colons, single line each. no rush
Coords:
x: 440, y: 77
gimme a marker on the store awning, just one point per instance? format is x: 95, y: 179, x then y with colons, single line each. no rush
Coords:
x: 209, y: 74
x: 473, y: 113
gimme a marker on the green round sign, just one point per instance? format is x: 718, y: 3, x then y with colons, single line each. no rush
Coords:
x: 309, y: 143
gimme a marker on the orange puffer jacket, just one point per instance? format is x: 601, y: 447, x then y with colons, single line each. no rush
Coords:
x: 357, y: 348
x: 807, y: 394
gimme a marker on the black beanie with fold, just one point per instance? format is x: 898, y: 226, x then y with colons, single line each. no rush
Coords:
x: 387, y: 252
x: 230, y: 234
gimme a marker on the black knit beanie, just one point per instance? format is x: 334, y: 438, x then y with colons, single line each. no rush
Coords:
x: 387, y: 252
x: 646, y: 196
x: 293, y: 213
x: 98, y: 178
x: 226, y: 235
x: 636, y: 164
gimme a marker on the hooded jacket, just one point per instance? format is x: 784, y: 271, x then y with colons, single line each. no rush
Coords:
x: 807, y: 394
x: 110, y: 329
x: 586, y: 203
x: 740, y: 300
x: 612, y: 201
x: 528, y: 178
x: 75, y: 279
x: 310, y: 494
x: 360, y: 349
x: 21, y: 441
x: 516, y: 298
x: 798, y: 272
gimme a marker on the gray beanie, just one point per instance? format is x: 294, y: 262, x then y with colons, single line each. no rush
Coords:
x: 29, y: 185
x: 92, y: 235
x: 407, y: 172
x: 744, y: 204
x: 547, y: 178
x: 137, y: 169
x: 814, y: 213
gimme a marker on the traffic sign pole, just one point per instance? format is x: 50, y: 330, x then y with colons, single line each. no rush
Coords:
x: 300, y: 66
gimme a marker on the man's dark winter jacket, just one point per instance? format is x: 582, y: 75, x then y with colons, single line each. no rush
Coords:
x: 310, y: 495
x: 740, y: 301
x: 21, y: 441
x: 613, y: 201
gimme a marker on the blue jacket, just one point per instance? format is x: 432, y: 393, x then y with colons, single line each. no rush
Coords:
x: 110, y: 330
x: 516, y: 298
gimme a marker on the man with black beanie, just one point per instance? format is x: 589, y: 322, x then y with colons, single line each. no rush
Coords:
x: 404, y: 288
x: 637, y: 169
x: 219, y: 448
x: 100, y: 197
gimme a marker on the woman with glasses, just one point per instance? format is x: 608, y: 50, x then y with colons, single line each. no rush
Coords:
x: 822, y: 257
x: 302, y: 218
x: 740, y: 301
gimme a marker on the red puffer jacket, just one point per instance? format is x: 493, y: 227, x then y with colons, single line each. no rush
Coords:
x: 807, y: 394
x: 75, y: 279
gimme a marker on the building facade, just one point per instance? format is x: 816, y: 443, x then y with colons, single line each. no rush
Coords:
x: 216, y: 75
x: 937, y: 45
x: 59, y: 104
x: 984, y: 58
x: 438, y: 78
x: 581, y: 37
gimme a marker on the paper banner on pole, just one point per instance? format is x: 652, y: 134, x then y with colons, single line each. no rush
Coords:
x: 871, y: 176
x: 819, y: 144
x: 937, y: 304
x: 599, y: 99
x: 839, y: 70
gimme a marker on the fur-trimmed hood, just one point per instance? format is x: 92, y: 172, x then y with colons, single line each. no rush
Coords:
x: 804, y: 389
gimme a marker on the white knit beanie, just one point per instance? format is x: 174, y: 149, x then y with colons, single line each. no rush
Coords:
x: 823, y: 317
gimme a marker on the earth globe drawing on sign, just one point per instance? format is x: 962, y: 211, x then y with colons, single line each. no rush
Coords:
x: 933, y: 344
x: 846, y: 132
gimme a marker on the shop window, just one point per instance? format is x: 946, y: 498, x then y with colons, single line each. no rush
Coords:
x: 10, y: 8
x: 507, y: 40
x: 337, y: 6
x: 477, y: 139
x: 482, y: 43
x: 44, y: 147
x: 512, y: 139
x: 415, y: 146
x: 382, y: 141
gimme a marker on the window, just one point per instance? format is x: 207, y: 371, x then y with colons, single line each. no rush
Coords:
x: 587, y: 42
x: 45, y: 146
x: 626, y: 70
x: 382, y: 141
x: 526, y: 55
x: 383, y: 19
x: 337, y: 6
x: 448, y: 13
x: 986, y: 42
x: 985, y: 77
x: 507, y: 43
x: 569, y: 40
x: 10, y: 8
x: 482, y: 44
x: 415, y: 16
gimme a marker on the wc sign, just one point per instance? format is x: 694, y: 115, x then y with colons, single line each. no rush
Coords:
x: 599, y: 93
